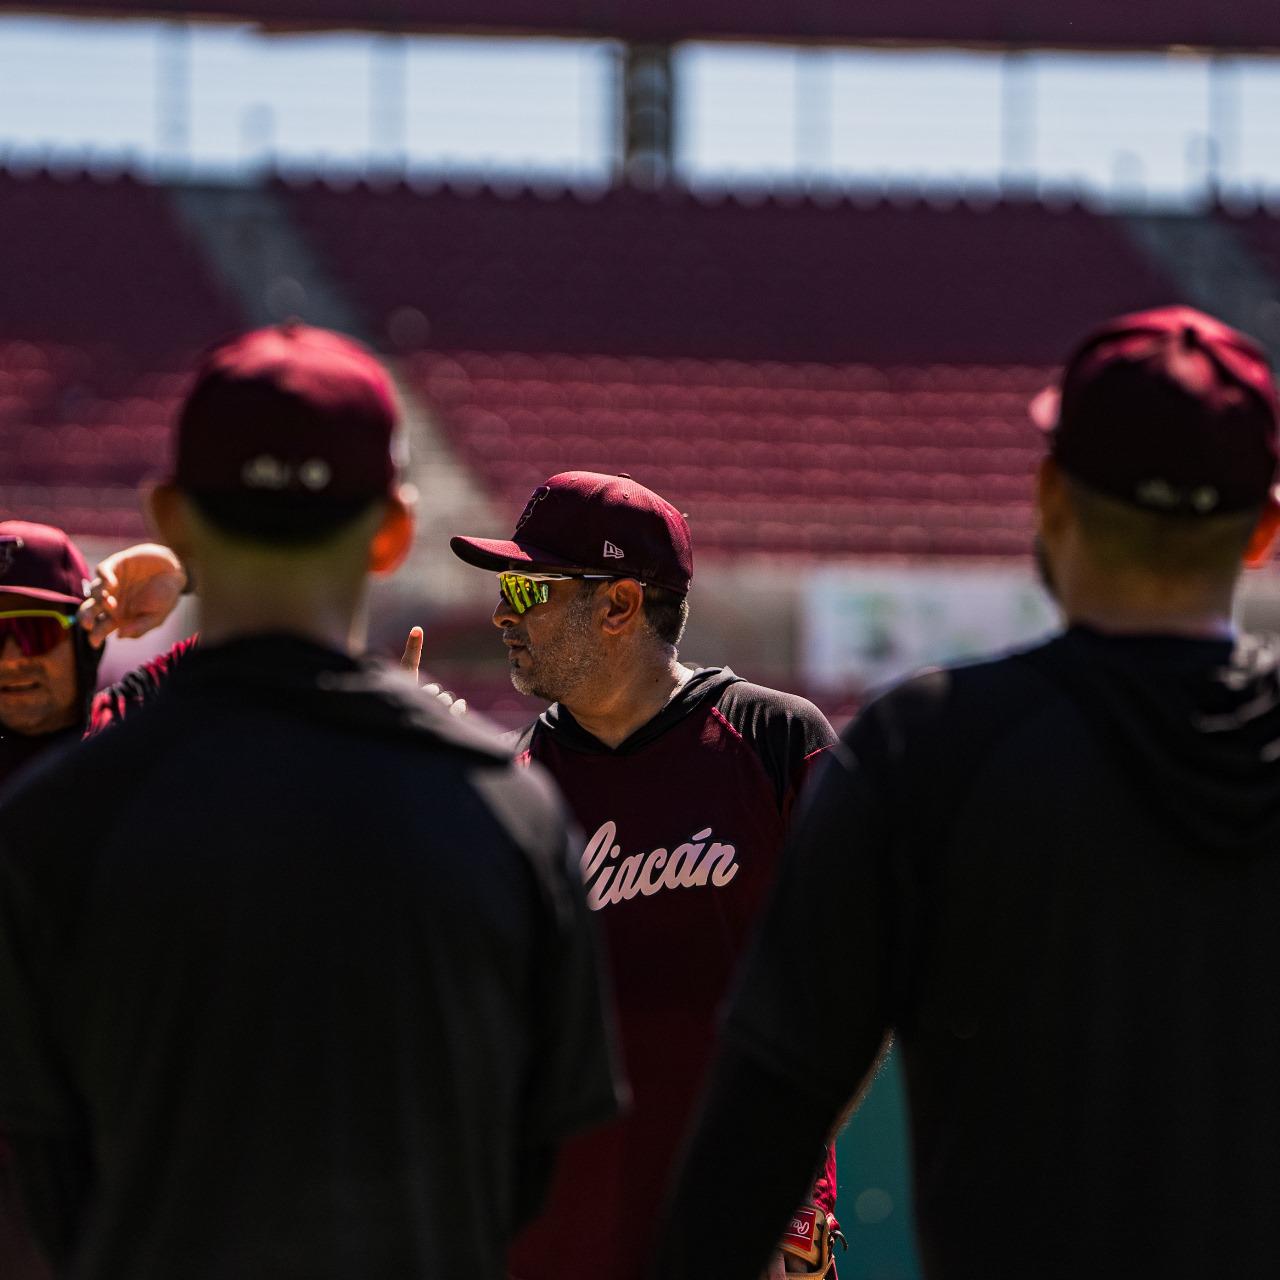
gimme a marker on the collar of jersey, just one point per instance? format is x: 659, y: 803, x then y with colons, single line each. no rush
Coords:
x: 704, y: 684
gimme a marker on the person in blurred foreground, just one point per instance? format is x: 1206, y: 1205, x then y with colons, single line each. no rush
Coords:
x: 1055, y: 878
x: 48, y: 672
x: 317, y: 997
x: 683, y: 781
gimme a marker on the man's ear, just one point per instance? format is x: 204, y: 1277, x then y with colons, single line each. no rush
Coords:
x: 166, y: 511
x: 1262, y: 540
x: 393, y: 537
x: 625, y: 609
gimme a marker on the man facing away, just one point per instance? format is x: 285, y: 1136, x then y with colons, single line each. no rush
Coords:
x: 318, y: 997
x: 682, y: 781
x: 1056, y: 877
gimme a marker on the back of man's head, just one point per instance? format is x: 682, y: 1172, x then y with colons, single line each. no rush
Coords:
x: 1163, y: 442
x: 285, y: 473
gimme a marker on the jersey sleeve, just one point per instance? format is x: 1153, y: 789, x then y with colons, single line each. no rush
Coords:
x: 788, y: 733
x: 817, y: 1014
x: 136, y: 689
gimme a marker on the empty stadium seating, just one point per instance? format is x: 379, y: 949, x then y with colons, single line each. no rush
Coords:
x: 804, y: 377
x: 104, y: 303
x: 668, y: 275
x: 822, y: 460
x: 824, y: 378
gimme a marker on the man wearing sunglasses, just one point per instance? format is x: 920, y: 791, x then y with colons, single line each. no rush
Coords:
x: 51, y: 637
x: 48, y: 667
x: 682, y: 781
x: 48, y: 671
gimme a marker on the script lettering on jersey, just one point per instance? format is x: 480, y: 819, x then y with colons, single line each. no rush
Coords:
x: 611, y: 878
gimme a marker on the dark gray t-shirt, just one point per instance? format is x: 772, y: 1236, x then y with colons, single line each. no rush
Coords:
x: 1055, y: 878
x: 296, y: 980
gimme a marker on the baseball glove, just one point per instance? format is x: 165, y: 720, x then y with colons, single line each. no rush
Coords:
x: 808, y: 1244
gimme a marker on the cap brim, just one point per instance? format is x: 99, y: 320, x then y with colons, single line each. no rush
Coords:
x: 44, y: 596
x: 496, y: 554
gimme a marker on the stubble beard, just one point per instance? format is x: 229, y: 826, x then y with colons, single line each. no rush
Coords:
x: 564, y: 661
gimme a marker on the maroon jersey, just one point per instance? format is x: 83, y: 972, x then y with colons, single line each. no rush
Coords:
x: 113, y: 703
x: 683, y: 825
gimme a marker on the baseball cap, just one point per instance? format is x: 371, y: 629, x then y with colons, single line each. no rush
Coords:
x: 583, y: 520
x: 41, y: 563
x: 287, y: 428
x: 1169, y: 410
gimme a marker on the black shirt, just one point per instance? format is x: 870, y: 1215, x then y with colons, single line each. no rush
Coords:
x: 295, y: 970
x: 1055, y: 877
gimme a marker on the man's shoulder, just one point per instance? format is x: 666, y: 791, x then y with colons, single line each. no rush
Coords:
x: 60, y: 797
x: 957, y: 707
x: 762, y: 704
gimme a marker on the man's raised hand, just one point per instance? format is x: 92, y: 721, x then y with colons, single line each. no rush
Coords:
x: 411, y: 660
x: 132, y: 592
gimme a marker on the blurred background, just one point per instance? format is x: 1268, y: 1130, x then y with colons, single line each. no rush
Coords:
x: 799, y: 266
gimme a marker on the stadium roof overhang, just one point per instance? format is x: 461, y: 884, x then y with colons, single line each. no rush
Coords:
x: 1234, y: 25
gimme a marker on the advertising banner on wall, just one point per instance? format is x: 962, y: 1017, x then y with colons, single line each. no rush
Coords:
x: 863, y: 627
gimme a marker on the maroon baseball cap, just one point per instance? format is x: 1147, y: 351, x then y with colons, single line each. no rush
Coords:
x: 581, y: 520
x: 1169, y: 410
x: 288, y: 419
x: 41, y: 563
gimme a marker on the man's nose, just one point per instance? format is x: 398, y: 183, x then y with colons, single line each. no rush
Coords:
x: 504, y: 615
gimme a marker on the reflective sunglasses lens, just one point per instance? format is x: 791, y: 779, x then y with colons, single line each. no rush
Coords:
x: 522, y: 593
x: 34, y: 636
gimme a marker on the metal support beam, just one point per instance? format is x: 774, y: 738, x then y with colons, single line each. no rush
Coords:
x: 648, y: 114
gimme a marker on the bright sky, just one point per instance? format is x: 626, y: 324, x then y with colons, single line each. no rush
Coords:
x: 223, y: 99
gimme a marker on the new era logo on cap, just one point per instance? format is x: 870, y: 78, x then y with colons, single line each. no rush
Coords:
x: 586, y: 521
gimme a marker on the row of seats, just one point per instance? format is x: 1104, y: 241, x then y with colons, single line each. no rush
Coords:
x: 668, y: 397
x: 935, y: 461
x: 513, y: 367
x: 724, y: 432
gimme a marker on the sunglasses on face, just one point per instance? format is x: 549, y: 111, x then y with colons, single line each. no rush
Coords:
x: 524, y: 590
x: 36, y: 631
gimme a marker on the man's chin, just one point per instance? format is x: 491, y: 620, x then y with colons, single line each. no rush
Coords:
x: 27, y: 726
x: 528, y: 685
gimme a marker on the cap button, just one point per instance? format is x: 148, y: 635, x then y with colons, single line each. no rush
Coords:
x: 622, y: 475
x: 1190, y: 337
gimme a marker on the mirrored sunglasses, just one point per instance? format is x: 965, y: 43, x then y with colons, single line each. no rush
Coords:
x: 35, y: 631
x: 524, y: 590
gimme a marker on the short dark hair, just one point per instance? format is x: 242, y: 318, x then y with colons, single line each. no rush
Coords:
x: 666, y: 612
x: 1121, y: 535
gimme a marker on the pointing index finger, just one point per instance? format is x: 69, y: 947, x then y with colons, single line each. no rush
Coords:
x: 412, y: 656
